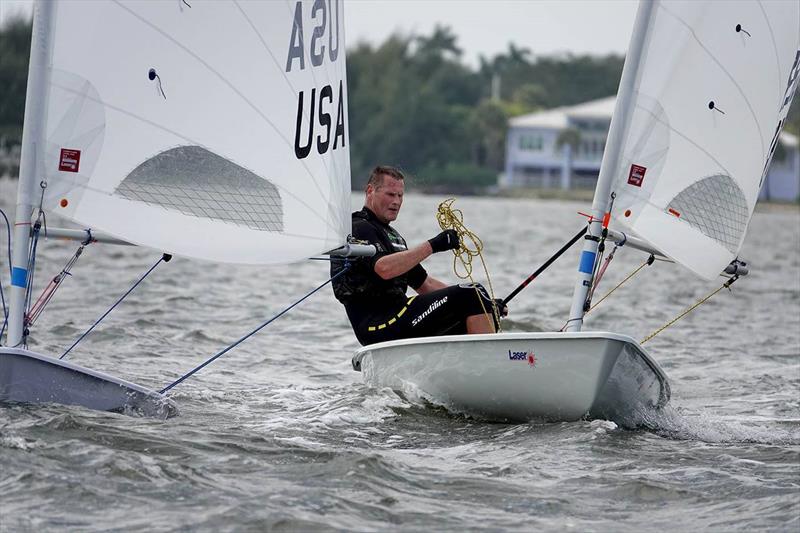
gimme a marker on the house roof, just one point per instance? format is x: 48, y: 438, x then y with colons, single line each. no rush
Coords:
x: 557, y: 118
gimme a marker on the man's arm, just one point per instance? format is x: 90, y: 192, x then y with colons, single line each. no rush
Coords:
x: 429, y: 285
x: 393, y: 265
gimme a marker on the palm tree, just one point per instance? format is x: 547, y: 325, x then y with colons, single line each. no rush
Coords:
x: 567, y: 142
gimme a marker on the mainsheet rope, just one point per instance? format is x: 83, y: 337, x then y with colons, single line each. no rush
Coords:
x: 451, y: 218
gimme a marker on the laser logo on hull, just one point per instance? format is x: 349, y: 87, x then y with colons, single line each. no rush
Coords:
x: 529, y: 356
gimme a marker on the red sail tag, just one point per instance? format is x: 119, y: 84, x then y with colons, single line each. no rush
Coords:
x: 636, y: 175
x: 69, y: 161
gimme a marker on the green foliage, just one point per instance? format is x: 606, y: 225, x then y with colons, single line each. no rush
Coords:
x: 456, y: 177
x: 413, y: 104
x: 410, y: 104
x: 569, y: 136
x: 15, y: 44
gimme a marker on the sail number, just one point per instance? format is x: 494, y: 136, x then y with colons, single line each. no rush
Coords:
x: 320, y: 103
x: 791, y: 87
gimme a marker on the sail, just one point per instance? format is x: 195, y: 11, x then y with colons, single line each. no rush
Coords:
x: 713, y: 87
x: 213, y: 130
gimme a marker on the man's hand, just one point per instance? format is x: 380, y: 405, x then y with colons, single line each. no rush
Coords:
x: 446, y: 240
x: 501, y: 307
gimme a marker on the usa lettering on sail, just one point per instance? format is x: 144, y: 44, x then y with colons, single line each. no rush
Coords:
x: 315, y: 107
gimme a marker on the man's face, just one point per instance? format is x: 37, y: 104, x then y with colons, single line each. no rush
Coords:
x: 386, y: 199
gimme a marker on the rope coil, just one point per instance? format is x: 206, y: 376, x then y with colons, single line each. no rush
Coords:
x: 471, y: 247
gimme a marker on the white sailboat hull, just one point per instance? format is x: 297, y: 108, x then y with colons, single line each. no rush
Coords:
x: 29, y: 377
x: 523, y: 376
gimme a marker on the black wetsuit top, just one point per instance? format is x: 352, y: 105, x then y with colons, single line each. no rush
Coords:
x: 380, y: 310
x: 361, y: 290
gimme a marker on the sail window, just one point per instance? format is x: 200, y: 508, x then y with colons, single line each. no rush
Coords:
x: 717, y: 207
x: 193, y: 181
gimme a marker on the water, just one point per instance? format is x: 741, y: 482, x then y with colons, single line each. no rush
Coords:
x: 280, y: 434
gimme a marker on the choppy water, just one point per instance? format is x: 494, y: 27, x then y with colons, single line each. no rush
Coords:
x: 280, y: 434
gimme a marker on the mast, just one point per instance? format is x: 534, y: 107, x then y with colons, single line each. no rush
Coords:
x: 31, y: 169
x: 611, y: 157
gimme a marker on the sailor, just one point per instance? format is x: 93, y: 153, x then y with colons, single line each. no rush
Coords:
x: 373, y: 290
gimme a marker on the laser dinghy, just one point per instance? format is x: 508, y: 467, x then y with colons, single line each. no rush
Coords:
x: 704, y: 93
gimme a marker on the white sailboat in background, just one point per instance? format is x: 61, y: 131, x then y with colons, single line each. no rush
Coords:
x: 210, y: 130
x: 704, y: 92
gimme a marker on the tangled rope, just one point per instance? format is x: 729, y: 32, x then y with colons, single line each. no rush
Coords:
x: 470, y: 248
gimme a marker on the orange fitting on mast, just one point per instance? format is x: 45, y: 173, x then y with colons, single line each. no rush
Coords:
x: 606, y: 219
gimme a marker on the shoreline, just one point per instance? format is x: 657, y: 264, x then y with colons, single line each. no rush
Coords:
x: 570, y: 195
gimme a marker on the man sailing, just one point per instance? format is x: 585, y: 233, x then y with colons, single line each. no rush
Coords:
x: 373, y: 290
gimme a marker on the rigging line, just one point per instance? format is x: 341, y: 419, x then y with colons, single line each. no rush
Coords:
x: 187, y: 139
x: 2, y: 294
x: 649, y: 261
x: 725, y: 285
x: 247, y: 336
x: 775, y: 50
x: 600, y: 273
x: 730, y: 77
x: 165, y: 257
x: 47, y: 294
x: 8, y: 243
x: 31, y: 270
x: 224, y: 81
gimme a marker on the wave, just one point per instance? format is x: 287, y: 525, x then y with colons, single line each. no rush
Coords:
x: 706, y: 426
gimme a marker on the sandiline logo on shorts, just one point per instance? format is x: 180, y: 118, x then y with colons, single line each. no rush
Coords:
x: 433, y: 307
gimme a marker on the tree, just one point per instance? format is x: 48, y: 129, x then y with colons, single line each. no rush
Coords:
x: 568, y: 140
x: 15, y: 44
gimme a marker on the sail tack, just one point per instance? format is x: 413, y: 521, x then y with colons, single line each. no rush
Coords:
x: 214, y: 130
x: 713, y: 88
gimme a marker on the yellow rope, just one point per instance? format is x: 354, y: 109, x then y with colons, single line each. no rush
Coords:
x: 471, y: 247
x: 606, y: 295
x: 725, y: 285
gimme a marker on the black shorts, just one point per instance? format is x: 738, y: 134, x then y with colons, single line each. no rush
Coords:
x: 442, y: 312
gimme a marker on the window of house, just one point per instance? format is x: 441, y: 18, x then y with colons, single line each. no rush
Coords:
x: 531, y: 143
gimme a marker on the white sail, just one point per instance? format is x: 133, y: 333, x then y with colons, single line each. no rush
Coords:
x: 214, y: 130
x: 714, y: 85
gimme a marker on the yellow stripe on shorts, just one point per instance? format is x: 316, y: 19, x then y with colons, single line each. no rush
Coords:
x: 392, y: 320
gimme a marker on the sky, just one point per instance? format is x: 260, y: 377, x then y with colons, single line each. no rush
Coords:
x: 483, y: 27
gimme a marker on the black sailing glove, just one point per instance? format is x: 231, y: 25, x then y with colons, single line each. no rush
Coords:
x: 446, y: 240
x: 501, y: 307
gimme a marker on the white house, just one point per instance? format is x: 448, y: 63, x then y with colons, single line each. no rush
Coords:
x: 534, y: 158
